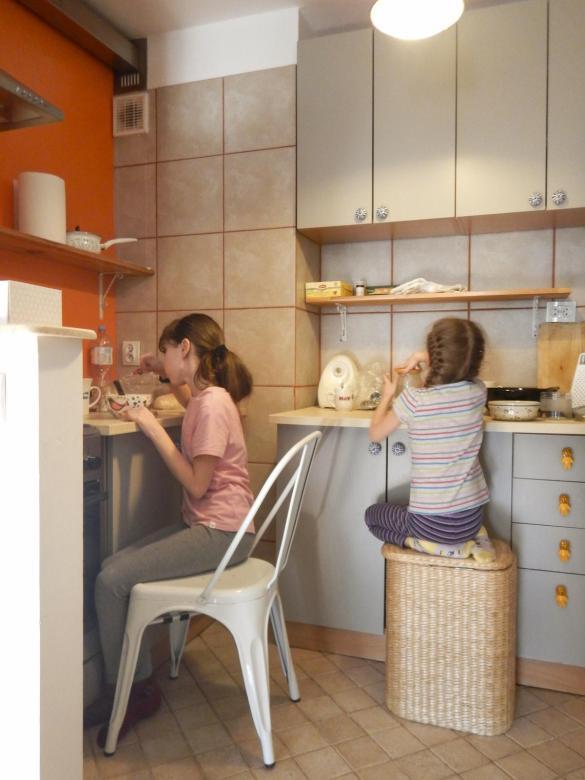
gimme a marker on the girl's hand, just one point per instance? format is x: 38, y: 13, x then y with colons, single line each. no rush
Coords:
x: 412, y: 362
x: 150, y: 362
x: 143, y: 417
x: 388, y: 388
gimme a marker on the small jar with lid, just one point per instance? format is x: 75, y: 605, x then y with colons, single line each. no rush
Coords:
x: 360, y: 287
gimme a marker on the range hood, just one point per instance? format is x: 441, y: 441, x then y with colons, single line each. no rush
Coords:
x: 21, y: 107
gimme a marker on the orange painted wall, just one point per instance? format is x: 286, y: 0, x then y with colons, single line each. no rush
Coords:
x: 79, y: 149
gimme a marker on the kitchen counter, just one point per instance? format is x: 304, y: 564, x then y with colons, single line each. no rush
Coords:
x: 315, y: 416
x: 108, y: 425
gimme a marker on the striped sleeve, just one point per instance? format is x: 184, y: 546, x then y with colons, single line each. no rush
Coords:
x: 405, y: 405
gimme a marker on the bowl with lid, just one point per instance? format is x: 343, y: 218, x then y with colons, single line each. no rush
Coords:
x: 518, y: 411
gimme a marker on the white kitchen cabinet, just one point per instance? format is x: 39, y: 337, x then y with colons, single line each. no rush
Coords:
x: 501, y: 108
x: 566, y: 105
x: 335, y: 574
x: 414, y: 127
x: 334, y: 129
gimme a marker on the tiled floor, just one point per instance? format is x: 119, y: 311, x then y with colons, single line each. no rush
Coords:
x: 340, y: 728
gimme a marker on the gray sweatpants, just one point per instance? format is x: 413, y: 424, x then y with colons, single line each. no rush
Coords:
x: 174, y: 551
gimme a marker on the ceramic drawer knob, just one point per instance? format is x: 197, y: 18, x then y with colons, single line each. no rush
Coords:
x: 559, y: 197
x: 564, y: 550
x: 567, y: 458
x: 564, y: 505
x: 360, y: 214
x: 561, y: 596
x: 535, y: 200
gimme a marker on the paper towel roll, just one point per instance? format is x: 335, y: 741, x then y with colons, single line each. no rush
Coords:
x: 41, y: 205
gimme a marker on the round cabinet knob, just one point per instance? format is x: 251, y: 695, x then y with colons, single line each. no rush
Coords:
x: 559, y: 197
x: 360, y: 215
x: 561, y: 596
x: 535, y: 199
x: 374, y: 448
x: 564, y: 550
x: 398, y: 448
x: 382, y: 212
x: 567, y: 458
x: 564, y: 505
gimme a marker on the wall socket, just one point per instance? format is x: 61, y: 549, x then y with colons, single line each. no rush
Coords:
x: 130, y: 353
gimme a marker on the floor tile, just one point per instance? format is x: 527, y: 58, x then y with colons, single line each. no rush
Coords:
x: 353, y: 699
x: 494, y: 747
x: 362, y: 752
x: 430, y: 735
x: 489, y: 772
x: 252, y: 752
x: 554, y: 721
x: 165, y: 749
x: 423, y: 765
x: 340, y: 728
x: 287, y: 715
x: 397, y: 742
x: 284, y: 770
x: 221, y: 763
x: 460, y: 755
x: 319, y: 708
x: 207, y: 738
x: 127, y: 759
x: 575, y: 708
x: 323, y: 764
x: 558, y: 756
x: 334, y: 682
x: 552, y: 698
x: 527, y: 702
x: 387, y: 771
x: 575, y: 740
x: 365, y: 676
x: 302, y: 739
x: 579, y: 774
x: 186, y: 769
x: 523, y: 766
x: 374, y: 719
x: 526, y: 733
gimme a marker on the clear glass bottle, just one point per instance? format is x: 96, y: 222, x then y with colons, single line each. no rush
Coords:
x: 102, y: 359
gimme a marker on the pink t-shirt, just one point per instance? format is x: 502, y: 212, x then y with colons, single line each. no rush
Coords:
x: 212, y: 426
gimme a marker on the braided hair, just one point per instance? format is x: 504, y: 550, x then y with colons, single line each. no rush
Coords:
x: 456, y: 349
x: 218, y: 365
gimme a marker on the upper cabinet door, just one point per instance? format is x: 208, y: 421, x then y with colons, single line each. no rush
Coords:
x: 414, y: 127
x: 501, y: 108
x: 334, y: 133
x: 566, y: 105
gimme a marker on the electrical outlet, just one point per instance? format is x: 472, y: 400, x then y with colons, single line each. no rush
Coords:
x: 130, y: 353
x: 561, y: 311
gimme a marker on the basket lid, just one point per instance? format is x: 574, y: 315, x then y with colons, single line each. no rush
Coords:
x: 504, y: 558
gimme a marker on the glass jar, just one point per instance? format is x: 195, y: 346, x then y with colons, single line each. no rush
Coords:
x: 410, y: 379
x: 556, y: 405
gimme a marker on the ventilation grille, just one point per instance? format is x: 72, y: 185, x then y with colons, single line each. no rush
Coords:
x: 130, y: 113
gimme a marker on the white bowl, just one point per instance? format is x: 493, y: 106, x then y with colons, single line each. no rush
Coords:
x: 119, y: 403
x: 514, y: 410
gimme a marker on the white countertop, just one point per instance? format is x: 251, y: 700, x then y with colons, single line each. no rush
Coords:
x: 108, y: 425
x: 49, y: 330
x: 315, y: 416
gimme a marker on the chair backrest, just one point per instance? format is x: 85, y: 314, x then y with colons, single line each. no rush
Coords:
x: 304, y: 451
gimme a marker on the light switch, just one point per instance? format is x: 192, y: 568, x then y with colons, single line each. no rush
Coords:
x: 130, y: 353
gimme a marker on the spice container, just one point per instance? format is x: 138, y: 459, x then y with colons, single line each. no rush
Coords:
x: 360, y: 287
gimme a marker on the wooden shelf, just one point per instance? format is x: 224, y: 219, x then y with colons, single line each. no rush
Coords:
x: 469, y: 296
x: 33, y: 247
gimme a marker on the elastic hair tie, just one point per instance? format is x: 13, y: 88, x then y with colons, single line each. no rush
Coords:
x: 218, y: 354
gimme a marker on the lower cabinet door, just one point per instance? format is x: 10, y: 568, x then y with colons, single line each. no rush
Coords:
x: 335, y: 573
x: 548, y: 631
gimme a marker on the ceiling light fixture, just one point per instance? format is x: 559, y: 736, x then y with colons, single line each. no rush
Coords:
x: 415, y: 19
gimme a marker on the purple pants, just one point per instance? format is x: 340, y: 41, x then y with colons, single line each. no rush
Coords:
x: 393, y: 524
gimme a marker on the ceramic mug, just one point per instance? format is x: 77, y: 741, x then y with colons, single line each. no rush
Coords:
x: 88, y: 390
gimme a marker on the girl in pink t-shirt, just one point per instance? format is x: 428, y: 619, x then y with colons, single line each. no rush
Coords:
x: 210, y: 381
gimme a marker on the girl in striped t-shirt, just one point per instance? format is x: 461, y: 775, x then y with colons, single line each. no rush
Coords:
x: 445, y: 428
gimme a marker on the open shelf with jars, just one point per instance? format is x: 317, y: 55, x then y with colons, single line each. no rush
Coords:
x: 467, y: 296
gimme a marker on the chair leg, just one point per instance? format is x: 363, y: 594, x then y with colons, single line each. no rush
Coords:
x: 177, y: 636
x: 281, y: 638
x: 126, y: 670
x: 249, y: 633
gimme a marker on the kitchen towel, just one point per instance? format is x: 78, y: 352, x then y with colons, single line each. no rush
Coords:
x: 40, y: 211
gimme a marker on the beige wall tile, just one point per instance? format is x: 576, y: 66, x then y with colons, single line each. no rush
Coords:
x: 190, y: 196
x: 189, y: 122
x: 164, y: 317
x: 305, y: 396
x: 306, y: 348
x: 139, y: 147
x: 139, y: 326
x: 190, y: 272
x: 260, y: 109
x: 510, y: 348
x: 260, y: 268
x: 440, y: 259
x: 135, y: 201
x: 409, y: 332
x: 308, y: 267
x: 570, y: 262
x: 260, y: 189
x: 368, y: 260
x: 511, y: 260
x: 264, y: 339
x: 260, y: 433
x: 368, y: 338
x: 137, y: 293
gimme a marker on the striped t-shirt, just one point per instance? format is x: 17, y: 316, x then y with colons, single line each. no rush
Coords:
x: 445, y: 428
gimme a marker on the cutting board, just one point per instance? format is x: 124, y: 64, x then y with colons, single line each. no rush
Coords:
x: 559, y: 346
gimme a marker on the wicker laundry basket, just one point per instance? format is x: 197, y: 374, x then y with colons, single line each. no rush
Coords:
x: 451, y: 639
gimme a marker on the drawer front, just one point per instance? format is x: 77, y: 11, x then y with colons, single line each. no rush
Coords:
x: 549, y: 503
x: 538, y: 547
x: 547, y: 632
x: 544, y: 456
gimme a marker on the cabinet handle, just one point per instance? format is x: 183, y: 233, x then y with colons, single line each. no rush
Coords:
x: 564, y: 550
x: 559, y: 197
x: 374, y: 448
x: 561, y: 596
x: 567, y: 458
x: 398, y: 448
x: 360, y: 214
x: 382, y: 212
x: 564, y: 504
x: 535, y: 199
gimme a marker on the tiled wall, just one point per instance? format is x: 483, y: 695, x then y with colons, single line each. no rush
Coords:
x: 210, y: 192
x: 543, y: 258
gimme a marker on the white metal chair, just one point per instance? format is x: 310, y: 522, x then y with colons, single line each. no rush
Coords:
x: 242, y: 598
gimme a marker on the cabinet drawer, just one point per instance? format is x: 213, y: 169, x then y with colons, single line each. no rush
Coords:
x: 541, y: 456
x: 547, y: 632
x: 540, y: 503
x: 537, y: 547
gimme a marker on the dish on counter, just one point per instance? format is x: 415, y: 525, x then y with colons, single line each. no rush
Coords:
x: 499, y: 393
x: 119, y: 403
x: 514, y: 410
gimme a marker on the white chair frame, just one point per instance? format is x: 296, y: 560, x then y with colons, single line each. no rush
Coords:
x: 242, y: 598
